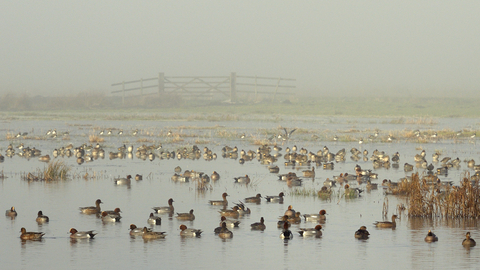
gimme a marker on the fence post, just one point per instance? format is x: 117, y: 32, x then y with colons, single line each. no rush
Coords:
x: 233, y: 86
x: 276, y: 89
x: 161, y: 83
x: 123, y: 96
x: 255, y: 88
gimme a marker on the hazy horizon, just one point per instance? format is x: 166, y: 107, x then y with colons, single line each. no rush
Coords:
x: 344, y: 48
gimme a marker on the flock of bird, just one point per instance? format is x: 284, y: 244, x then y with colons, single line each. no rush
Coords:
x: 265, y: 154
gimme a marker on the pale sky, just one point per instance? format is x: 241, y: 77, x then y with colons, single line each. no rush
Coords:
x: 342, y: 47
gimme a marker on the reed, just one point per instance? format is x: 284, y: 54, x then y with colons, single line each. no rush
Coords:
x: 55, y: 171
x: 95, y: 139
x: 427, y: 198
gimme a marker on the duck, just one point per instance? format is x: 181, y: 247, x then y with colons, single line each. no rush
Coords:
x: 387, y: 224
x: 115, y: 212
x: 138, y: 177
x: 30, y: 235
x: 257, y: 199
x: 229, y: 223
x: 154, y: 220
x: 407, y: 167
x: 41, y: 218
x: 259, y: 225
x: 223, y: 202
x: 90, y: 210
x: 242, y: 179
x: 242, y: 209
x: 231, y: 212
x: 295, y: 219
x: 468, y: 242
x: 431, y: 237
x: 215, y: 176
x: 290, y: 212
x: 307, y: 232
x: 275, y: 199
x: 45, y: 158
x: 165, y: 209
x: 309, y: 173
x: 224, y: 232
x: 316, y: 217
x: 286, y: 233
x: 134, y: 231
x: 185, y: 232
x: 149, y: 234
x: 123, y: 181
x: 81, y: 235
x: 362, y: 233
x: 11, y: 212
x: 282, y: 222
x: 186, y: 216
x: 106, y: 217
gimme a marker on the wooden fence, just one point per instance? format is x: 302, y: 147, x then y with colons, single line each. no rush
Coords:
x: 206, y: 86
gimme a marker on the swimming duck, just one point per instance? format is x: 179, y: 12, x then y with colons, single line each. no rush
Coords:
x: 242, y: 179
x: 106, y: 217
x: 31, y: 235
x: 138, y: 177
x: 90, y: 210
x: 149, y: 234
x: 225, y: 233
x: 316, y: 217
x: 256, y: 199
x: 282, y: 222
x: 295, y: 219
x: 154, y: 220
x: 309, y: 173
x: 230, y: 212
x: 165, y: 209
x: 290, y: 212
x: 41, y: 218
x: 115, y: 212
x: 275, y: 199
x: 362, y: 233
x: 258, y: 225
x: 215, y: 176
x: 189, y: 232
x: 229, y: 223
x: 123, y: 181
x: 223, y: 202
x: 186, y: 216
x: 306, y: 232
x: 273, y: 169
x: 286, y: 233
x: 11, y: 212
x: 242, y: 209
x: 431, y: 237
x: 468, y: 242
x: 386, y: 224
x: 45, y: 158
x: 136, y: 231
x: 81, y: 235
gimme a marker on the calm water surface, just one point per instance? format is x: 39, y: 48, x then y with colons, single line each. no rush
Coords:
x: 401, y: 248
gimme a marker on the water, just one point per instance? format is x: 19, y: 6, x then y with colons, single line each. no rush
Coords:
x: 402, y: 247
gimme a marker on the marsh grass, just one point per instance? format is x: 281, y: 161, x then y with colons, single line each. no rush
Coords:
x: 428, y: 199
x: 95, y: 139
x: 55, y: 171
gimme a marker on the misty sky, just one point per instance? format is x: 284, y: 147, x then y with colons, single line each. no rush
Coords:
x: 425, y: 47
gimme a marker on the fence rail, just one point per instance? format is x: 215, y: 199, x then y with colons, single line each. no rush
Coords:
x: 195, y: 86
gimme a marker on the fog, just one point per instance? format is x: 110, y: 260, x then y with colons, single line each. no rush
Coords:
x: 426, y: 48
